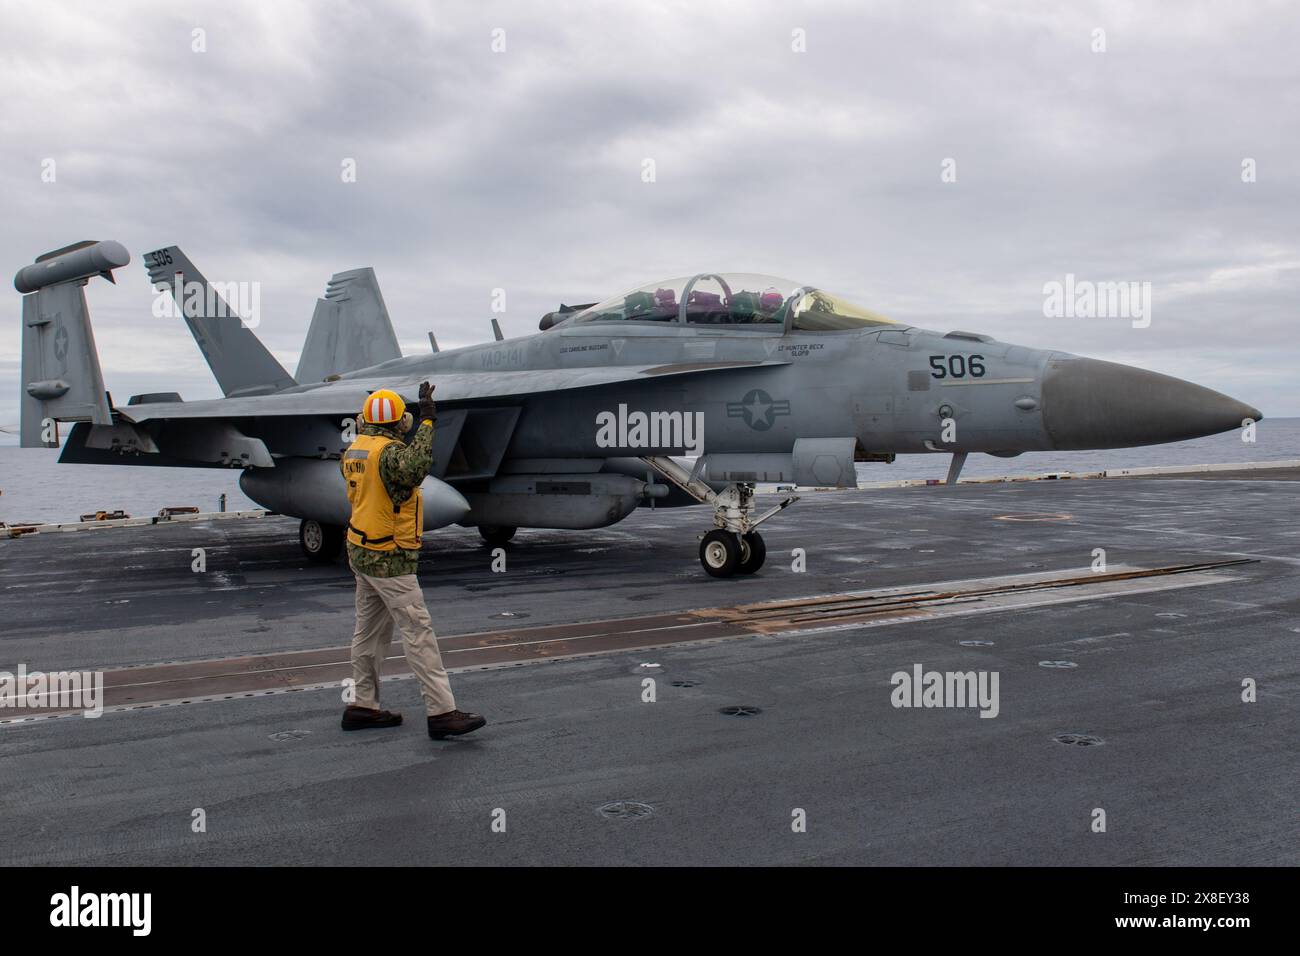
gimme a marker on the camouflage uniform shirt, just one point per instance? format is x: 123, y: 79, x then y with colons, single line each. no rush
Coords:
x: 401, y: 468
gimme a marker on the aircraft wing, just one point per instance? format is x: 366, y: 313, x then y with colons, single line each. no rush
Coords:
x: 346, y: 396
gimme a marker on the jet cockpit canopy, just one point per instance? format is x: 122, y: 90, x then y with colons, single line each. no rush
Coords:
x: 733, y: 299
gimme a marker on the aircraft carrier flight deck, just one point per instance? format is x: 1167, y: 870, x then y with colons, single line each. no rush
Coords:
x: 641, y: 712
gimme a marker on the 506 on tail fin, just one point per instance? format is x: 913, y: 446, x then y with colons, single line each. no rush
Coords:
x: 240, y: 363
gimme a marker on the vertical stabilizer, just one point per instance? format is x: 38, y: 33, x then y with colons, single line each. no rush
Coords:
x: 350, y: 328
x: 240, y: 363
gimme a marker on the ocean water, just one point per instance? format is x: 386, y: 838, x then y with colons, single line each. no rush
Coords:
x: 1275, y: 439
x: 35, y: 487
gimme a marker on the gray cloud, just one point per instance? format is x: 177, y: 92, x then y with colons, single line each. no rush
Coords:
x: 522, y: 169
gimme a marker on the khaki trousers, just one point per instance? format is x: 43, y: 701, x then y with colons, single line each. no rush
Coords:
x: 381, y: 603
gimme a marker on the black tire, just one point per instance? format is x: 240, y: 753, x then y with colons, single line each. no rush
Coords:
x: 321, y: 543
x: 496, y: 535
x: 720, y: 553
x: 753, y: 552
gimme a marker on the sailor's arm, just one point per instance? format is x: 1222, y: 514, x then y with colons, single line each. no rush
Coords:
x: 404, y: 467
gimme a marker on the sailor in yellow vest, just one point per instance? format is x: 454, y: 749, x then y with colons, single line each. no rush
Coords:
x: 383, y: 478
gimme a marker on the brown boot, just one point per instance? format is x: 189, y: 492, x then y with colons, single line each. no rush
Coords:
x: 454, y: 723
x: 363, y: 718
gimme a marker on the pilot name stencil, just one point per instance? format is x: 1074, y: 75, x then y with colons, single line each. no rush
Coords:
x: 800, y: 349
x: 639, y: 429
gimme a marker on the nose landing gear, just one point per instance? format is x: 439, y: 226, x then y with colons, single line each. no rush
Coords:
x: 753, y: 552
x: 724, y: 553
x: 734, y: 546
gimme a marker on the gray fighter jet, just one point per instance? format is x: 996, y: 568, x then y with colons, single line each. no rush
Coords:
x: 758, y: 379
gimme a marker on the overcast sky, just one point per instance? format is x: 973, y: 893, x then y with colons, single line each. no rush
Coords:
x: 522, y: 169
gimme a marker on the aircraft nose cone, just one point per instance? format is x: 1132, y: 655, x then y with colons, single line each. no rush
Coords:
x: 1088, y: 403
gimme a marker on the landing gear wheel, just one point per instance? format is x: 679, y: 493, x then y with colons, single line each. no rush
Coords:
x: 753, y: 552
x: 321, y: 543
x: 720, y: 553
x: 496, y: 535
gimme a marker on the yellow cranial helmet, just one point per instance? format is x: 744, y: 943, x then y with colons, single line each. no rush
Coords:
x: 383, y: 407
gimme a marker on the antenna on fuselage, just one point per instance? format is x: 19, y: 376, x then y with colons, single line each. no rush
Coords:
x: 433, y: 342
x: 496, y: 331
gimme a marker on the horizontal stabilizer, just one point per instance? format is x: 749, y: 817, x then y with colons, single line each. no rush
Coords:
x: 350, y: 329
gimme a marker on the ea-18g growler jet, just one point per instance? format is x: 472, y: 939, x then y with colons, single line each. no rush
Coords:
x: 759, y: 379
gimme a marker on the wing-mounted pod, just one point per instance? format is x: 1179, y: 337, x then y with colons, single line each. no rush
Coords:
x: 314, y: 490
x: 61, y: 376
x: 813, y: 463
